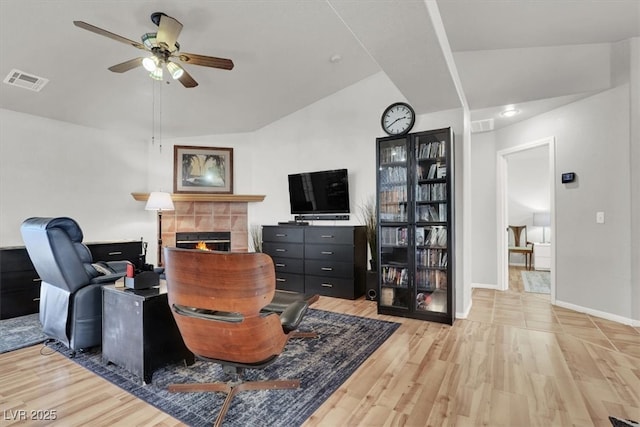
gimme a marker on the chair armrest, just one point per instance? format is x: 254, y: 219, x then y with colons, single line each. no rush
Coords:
x: 107, y: 278
x: 220, y: 316
x: 292, y: 315
x: 118, y: 266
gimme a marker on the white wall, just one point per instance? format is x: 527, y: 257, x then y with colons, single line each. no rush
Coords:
x: 52, y: 168
x: 592, y: 139
x: 484, y: 269
x: 338, y: 131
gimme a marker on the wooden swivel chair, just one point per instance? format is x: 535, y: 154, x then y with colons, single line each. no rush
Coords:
x: 526, y: 249
x: 217, y: 299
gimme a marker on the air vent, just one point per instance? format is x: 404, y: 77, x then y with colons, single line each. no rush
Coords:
x: 481, y: 126
x: 25, y: 81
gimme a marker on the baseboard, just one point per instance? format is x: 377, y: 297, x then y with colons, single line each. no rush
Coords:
x: 597, y: 313
x: 485, y: 286
x: 464, y: 314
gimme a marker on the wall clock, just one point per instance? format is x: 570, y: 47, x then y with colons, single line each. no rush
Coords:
x: 398, y: 118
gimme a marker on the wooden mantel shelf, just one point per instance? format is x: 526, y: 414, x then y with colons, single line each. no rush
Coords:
x: 195, y: 197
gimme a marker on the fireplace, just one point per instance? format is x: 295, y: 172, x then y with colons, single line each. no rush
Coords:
x: 214, y: 240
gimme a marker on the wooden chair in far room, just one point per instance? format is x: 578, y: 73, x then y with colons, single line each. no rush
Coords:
x: 521, y: 246
x: 218, y: 301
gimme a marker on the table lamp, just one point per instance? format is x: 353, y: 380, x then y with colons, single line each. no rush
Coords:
x: 159, y: 201
x: 542, y: 219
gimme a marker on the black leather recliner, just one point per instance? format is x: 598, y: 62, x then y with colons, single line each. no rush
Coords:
x: 71, y: 287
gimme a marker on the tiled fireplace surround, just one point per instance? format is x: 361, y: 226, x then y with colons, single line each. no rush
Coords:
x: 192, y: 216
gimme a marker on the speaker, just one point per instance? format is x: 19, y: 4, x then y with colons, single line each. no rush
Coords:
x: 371, y: 291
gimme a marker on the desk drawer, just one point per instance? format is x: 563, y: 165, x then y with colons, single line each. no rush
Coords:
x: 283, y: 250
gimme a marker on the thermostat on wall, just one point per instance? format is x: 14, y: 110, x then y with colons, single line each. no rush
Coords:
x: 568, y: 177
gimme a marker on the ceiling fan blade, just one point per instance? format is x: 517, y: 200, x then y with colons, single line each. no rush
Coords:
x: 109, y: 34
x: 206, y: 61
x: 168, y: 32
x: 187, y: 80
x: 126, y: 66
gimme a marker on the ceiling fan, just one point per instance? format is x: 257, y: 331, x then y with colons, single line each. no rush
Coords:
x: 164, y: 49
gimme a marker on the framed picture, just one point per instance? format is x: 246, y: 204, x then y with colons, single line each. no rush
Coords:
x: 202, y: 169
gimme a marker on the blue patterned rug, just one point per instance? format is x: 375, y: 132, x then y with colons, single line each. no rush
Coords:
x: 537, y: 281
x: 20, y: 332
x: 321, y: 364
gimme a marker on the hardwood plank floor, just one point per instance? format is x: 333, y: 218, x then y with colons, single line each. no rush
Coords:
x: 516, y: 361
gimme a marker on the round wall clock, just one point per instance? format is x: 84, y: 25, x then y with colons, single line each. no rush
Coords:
x: 398, y: 118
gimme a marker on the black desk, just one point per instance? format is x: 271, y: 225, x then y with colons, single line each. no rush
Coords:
x: 139, y: 332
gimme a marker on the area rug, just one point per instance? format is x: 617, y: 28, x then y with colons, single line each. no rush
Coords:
x: 538, y: 282
x: 322, y: 364
x: 20, y: 332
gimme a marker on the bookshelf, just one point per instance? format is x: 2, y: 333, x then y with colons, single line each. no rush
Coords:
x: 415, y: 189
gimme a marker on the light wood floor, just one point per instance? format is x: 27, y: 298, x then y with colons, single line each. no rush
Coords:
x: 516, y: 361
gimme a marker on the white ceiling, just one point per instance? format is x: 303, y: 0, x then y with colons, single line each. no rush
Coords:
x: 533, y: 54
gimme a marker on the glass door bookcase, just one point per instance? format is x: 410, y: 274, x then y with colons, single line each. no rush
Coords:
x: 415, y: 225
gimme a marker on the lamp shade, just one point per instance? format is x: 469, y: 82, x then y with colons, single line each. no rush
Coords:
x: 541, y: 219
x: 159, y: 201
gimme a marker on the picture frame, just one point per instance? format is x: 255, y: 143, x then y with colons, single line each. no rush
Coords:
x: 207, y: 170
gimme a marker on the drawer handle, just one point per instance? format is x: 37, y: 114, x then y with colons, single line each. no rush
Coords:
x: 281, y: 235
x: 327, y: 269
x: 326, y: 285
x: 37, y: 279
x: 326, y: 253
x: 327, y: 236
x: 280, y: 265
x: 115, y: 253
x: 280, y: 250
x: 280, y: 280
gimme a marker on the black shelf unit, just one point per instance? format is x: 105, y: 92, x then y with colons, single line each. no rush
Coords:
x: 415, y: 200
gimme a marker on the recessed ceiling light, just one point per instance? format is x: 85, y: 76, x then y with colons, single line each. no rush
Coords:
x: 510, y: 113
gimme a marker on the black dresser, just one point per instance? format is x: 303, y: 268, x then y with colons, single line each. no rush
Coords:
x: 20, y: 284
x: 324, y: 260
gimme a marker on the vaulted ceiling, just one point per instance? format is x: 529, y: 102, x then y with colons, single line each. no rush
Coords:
x: 533, y: 54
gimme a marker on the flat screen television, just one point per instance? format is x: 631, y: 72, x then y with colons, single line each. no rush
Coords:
x: 322, y: 192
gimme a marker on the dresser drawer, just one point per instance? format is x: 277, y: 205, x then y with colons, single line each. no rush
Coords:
x: 18, y: 281
x: 15, y: 259
x: 329, y: 252
x: 283, y: 250
x: 117, y: 251
x: 328, y: 268
x: 329, y: 286
x: 290, y: 282
x: 19, y: 301
x: 339, y: 235
x: 542, y: 250
x: 283, y: 234
x: 289, y: 265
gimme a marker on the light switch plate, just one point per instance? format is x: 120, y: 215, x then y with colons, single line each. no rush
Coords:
x: 600, y: 217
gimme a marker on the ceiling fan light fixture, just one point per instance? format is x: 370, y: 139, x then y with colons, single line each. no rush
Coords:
x: 150, y: 63
x: 175, y: 70
x: 156, y: 74
x: 150, y: 40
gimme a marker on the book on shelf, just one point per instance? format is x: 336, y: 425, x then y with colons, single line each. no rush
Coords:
x: 431, y: 150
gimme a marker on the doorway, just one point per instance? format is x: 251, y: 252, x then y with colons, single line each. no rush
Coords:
x: 521, y: 194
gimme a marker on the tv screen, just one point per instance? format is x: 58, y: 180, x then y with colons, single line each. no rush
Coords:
x: 322, y: 192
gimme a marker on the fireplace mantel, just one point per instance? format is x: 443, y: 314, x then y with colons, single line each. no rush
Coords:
x: 196, y: 197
